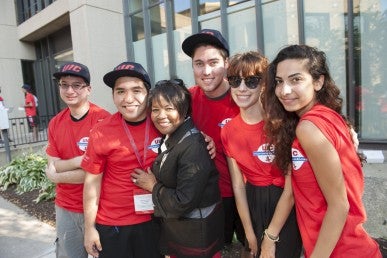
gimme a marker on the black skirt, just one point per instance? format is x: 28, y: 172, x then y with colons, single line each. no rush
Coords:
x: 188, y: 237
x: 262, y: 201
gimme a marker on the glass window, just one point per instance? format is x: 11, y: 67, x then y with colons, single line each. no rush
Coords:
x: 242, y: 30
x: 371, y: 62
x: 235, y: 2
x: 325, y: 29
x: 182, y: 14
x: 207, y: 6
x: 135, y: 5
x: 280, y: 24
x: 159, y: 42
x: 158, y: 20
x: 137, y: 26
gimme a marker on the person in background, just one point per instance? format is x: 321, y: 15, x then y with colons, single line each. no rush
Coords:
x: 306, y: 127
x: 68, y: 135
x: 30, y: 110
x: 212, y: 108
x: 114, y: 225
x: 263, y: 195
x: 183, y: 180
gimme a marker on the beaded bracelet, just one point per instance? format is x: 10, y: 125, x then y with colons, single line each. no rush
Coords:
x: 271, y: 237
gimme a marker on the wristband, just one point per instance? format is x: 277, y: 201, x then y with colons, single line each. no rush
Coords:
x: 271, y: 237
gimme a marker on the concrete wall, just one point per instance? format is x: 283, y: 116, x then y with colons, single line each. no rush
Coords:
x: 97, y: 29
x: 11, y: 52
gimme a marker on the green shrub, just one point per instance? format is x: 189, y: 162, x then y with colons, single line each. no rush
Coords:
x: 27, y: 173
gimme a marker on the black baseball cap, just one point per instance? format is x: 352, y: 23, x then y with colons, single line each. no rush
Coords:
x: 207, y: 36
x: 27, y: 87
x: 130, y: 69
x: 74, y: 69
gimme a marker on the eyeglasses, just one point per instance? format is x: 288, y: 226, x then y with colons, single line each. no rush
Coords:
x: 178, y: 82
x: 74, y: 86
x: 251, y: 82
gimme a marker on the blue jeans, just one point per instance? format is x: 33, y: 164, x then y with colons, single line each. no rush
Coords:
x: 70, y: 231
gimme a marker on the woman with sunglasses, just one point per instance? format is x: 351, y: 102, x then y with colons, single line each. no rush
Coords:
x: 263, y: 195
x: 183, y: 180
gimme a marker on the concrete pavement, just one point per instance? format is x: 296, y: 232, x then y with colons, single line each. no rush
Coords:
x: 22, y: 235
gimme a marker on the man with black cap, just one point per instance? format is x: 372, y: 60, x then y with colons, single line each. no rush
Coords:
x: 31, y: 111
x: 114, y: 224
x: 68, y: 134
x: 212, y: 108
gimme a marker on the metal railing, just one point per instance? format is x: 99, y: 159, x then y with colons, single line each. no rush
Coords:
x: 19, y: 132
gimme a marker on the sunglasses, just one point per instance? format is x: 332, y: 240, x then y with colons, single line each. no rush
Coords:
x: 251, y: 82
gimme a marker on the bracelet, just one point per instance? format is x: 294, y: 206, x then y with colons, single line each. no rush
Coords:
x: 271, y: 237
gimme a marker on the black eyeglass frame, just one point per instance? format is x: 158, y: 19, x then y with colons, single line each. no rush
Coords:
x: 76, y: 88
x: 251, y: 82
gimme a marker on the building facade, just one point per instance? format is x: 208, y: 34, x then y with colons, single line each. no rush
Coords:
x: 39, y: 35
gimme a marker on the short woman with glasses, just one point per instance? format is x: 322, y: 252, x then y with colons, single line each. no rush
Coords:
x: 183, y: 180
x: 263, y: 195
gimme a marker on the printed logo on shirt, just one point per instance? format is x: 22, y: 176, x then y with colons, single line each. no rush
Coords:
x: 298, y: 159
x: 82, y: 144
x: 155, y: 144
x: 264, y: 153
x: 224, y: 122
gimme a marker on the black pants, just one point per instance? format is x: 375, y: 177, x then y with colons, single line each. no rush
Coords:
x: 232, y: 221
x: 133, y: 241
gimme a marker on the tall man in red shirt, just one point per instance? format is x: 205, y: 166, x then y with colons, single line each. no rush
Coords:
x: 114, y: 227
x: 68, y: 135
x: 31, y: 112
x: 212, y: 108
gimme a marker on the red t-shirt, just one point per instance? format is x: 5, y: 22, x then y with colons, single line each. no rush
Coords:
x: 110, y: 152
x: 248, y: 146
x: 68, y: 139
x: 309, y: 201
x: 30, y: 111
x: 209, y: 116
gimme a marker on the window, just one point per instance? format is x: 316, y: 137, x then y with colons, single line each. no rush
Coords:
x: 371, y: 62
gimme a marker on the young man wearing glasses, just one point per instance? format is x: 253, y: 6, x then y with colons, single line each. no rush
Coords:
x: 212, y: 108
x: 68, y: 135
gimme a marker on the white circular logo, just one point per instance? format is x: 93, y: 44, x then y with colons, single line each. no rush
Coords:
x: 224, y: 122
x: 297, y: 158
x: 82, y: 144
x: 265, y: 153
x: 155, y: 144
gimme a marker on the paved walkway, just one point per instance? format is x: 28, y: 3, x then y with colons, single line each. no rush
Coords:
x: 22, y: 235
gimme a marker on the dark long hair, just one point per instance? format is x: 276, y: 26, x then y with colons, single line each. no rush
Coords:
x: 280, y: 125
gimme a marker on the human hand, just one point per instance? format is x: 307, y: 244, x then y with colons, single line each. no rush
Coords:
x: 253, y: 244
x: 211, y: 145
x: 51, y: 172
x: 143, y: 179
x: 91, y: 242
x: 267, y: 248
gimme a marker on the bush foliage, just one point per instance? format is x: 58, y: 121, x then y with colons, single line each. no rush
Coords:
x: 27, y: 173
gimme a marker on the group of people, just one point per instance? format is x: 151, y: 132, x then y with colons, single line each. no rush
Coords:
x: 144, y: 182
